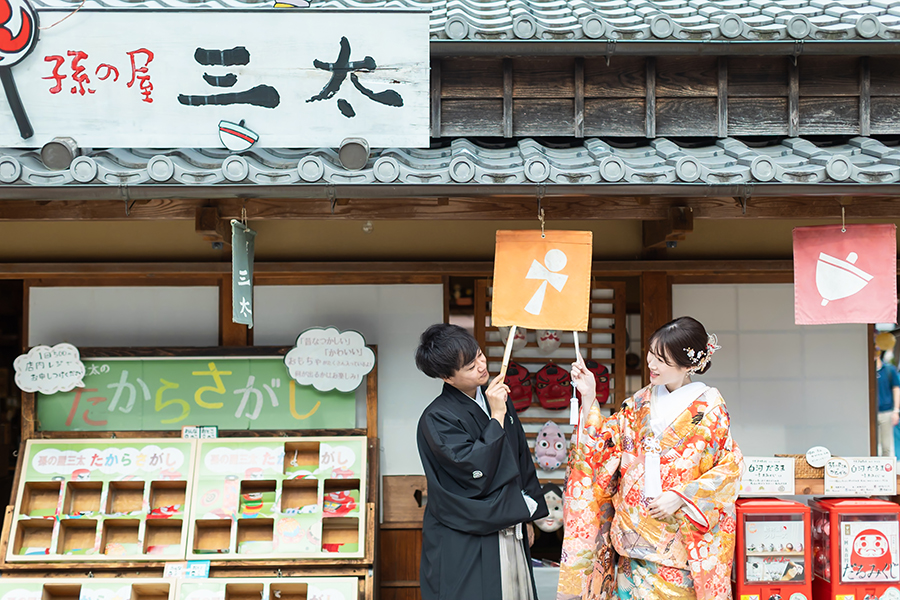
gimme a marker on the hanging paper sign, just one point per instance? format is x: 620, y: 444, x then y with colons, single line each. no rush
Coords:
x: 242, y: 240
x: 766, y: 476
x: 216, y: 78
x: 542, y: 281
x: 328, y: 359
x: 50, y: 370
x: 864, y: 476
x: 845, y: 276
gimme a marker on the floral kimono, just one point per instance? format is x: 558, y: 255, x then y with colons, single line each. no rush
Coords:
x: 607, y: 520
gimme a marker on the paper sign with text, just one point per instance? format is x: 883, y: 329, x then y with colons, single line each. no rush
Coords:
x: 50, y: 370
x: 766, y: 476
x: 542, y: 280
x: 863, y: 476
x: 328, y: 359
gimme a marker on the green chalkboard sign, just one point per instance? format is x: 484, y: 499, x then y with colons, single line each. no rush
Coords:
x: 159, y: 394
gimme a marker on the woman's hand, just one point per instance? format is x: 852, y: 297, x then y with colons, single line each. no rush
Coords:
x: 665, y: 505
x: 586, y: 384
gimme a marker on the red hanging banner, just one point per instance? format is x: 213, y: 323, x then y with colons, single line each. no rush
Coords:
x: 845, y: 276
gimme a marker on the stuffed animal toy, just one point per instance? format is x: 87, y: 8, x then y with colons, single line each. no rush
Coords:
x: 553, y: 386
x: 550, y: 447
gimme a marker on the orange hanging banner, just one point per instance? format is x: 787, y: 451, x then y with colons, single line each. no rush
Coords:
x: 542, y: 282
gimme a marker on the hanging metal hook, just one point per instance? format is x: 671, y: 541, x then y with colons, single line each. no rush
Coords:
x: 843, y: 220
x: 244, y: 216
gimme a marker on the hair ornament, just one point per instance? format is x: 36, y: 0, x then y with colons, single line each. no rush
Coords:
x: 699, y: 358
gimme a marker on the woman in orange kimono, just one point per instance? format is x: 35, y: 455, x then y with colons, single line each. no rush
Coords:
x: 649, y: 502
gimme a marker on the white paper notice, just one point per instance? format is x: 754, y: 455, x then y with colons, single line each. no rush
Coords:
x: 864, y: 476
x: 767, y: 476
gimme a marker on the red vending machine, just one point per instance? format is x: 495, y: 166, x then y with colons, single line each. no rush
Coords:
x: 856, y: 549
x: 772, y: 554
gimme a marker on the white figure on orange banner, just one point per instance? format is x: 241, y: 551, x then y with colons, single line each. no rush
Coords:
x: 555, y: 261
x: 837, y: 279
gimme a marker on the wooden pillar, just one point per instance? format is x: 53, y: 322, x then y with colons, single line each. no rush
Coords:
x: 435, y: 98
x: 865, y: 97
x: 507, y: 97
x: 650, y: 118
x: 656, y: 308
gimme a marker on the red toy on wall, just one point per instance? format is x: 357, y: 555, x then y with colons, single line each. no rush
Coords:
x: 772, y: 550
x: 856, y: 549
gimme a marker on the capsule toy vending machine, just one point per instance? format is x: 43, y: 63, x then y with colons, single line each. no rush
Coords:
x: 772, y: 554
x: 856, y: 549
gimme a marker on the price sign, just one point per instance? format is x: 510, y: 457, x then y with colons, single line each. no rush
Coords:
x: 863, y: 476
x: 766, y: 476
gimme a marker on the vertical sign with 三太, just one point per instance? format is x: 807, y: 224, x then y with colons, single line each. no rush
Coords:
x: 242, y: 238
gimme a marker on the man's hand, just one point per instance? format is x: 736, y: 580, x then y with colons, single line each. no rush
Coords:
x: 529, y: 528
x: 665, y: 505
x: 895, y: 418
x: 496, y: 395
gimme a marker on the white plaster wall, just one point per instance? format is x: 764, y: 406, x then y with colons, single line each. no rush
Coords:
x: 391, y: 316
x: 124, y: 316
x: 787, y: 387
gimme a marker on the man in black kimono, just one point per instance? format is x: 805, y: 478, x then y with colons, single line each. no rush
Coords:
x: 483, y: 491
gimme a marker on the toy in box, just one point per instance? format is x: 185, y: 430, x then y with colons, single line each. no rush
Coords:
x: 772, y: 553
x: 101, y: 500
x: 856, y: 549
x: 285, y: 498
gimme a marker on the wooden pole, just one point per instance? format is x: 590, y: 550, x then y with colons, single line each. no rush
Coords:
x: 573, y: 403
x: 508, y: 352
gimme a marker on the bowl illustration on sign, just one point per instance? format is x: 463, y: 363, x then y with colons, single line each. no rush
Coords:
x: 235, y: 136
x: 837, y: 279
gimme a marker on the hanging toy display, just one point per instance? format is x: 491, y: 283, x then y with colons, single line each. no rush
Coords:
x: 550, y: 447
x: 553, y: 387
x: 601, y: 376
x: 547, y: 340
x: 553, y: 495
x: 520, y: 386
x: 519, y: 337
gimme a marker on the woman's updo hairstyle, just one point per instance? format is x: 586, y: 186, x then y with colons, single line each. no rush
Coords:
x: 684, y: 343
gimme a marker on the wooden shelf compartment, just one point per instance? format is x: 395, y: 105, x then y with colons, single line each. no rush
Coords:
x: 300, y: 456
x: 288, y: 591
x: 82, y: 497
x: 77, y: 536
x: 120, y: 537
x: 340, y: 534
x: 163, y: 537
x: 212, y: 536
x: 255, y: 536
x: 150, y: 591
x: 41, y: 498
x: 33, y: 536
x: 125, y: 497
x: 244, y: 591
x: 167, y: 495
x: 61, y: 591
x: 297, y: 494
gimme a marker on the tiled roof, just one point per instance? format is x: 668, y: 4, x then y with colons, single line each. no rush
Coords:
x: 608, y: 19
x: 729, y: 161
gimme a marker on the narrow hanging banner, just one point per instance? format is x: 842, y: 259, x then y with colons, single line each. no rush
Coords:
x: 845, y: 274
x: 242, y: 238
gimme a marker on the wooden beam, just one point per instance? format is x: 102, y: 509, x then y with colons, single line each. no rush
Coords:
x: 507, y: 97
x: 209, y: 225
x: 579, y: 97
x: 865, y: 97
x: 659, y: 234
x: 722, y: 98
x: 435, y: 97
x: 499, y: 208
x: 793, y: 97
x: 650, y: 119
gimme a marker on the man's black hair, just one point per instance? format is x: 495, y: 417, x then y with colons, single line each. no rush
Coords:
x: 444, y: 349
